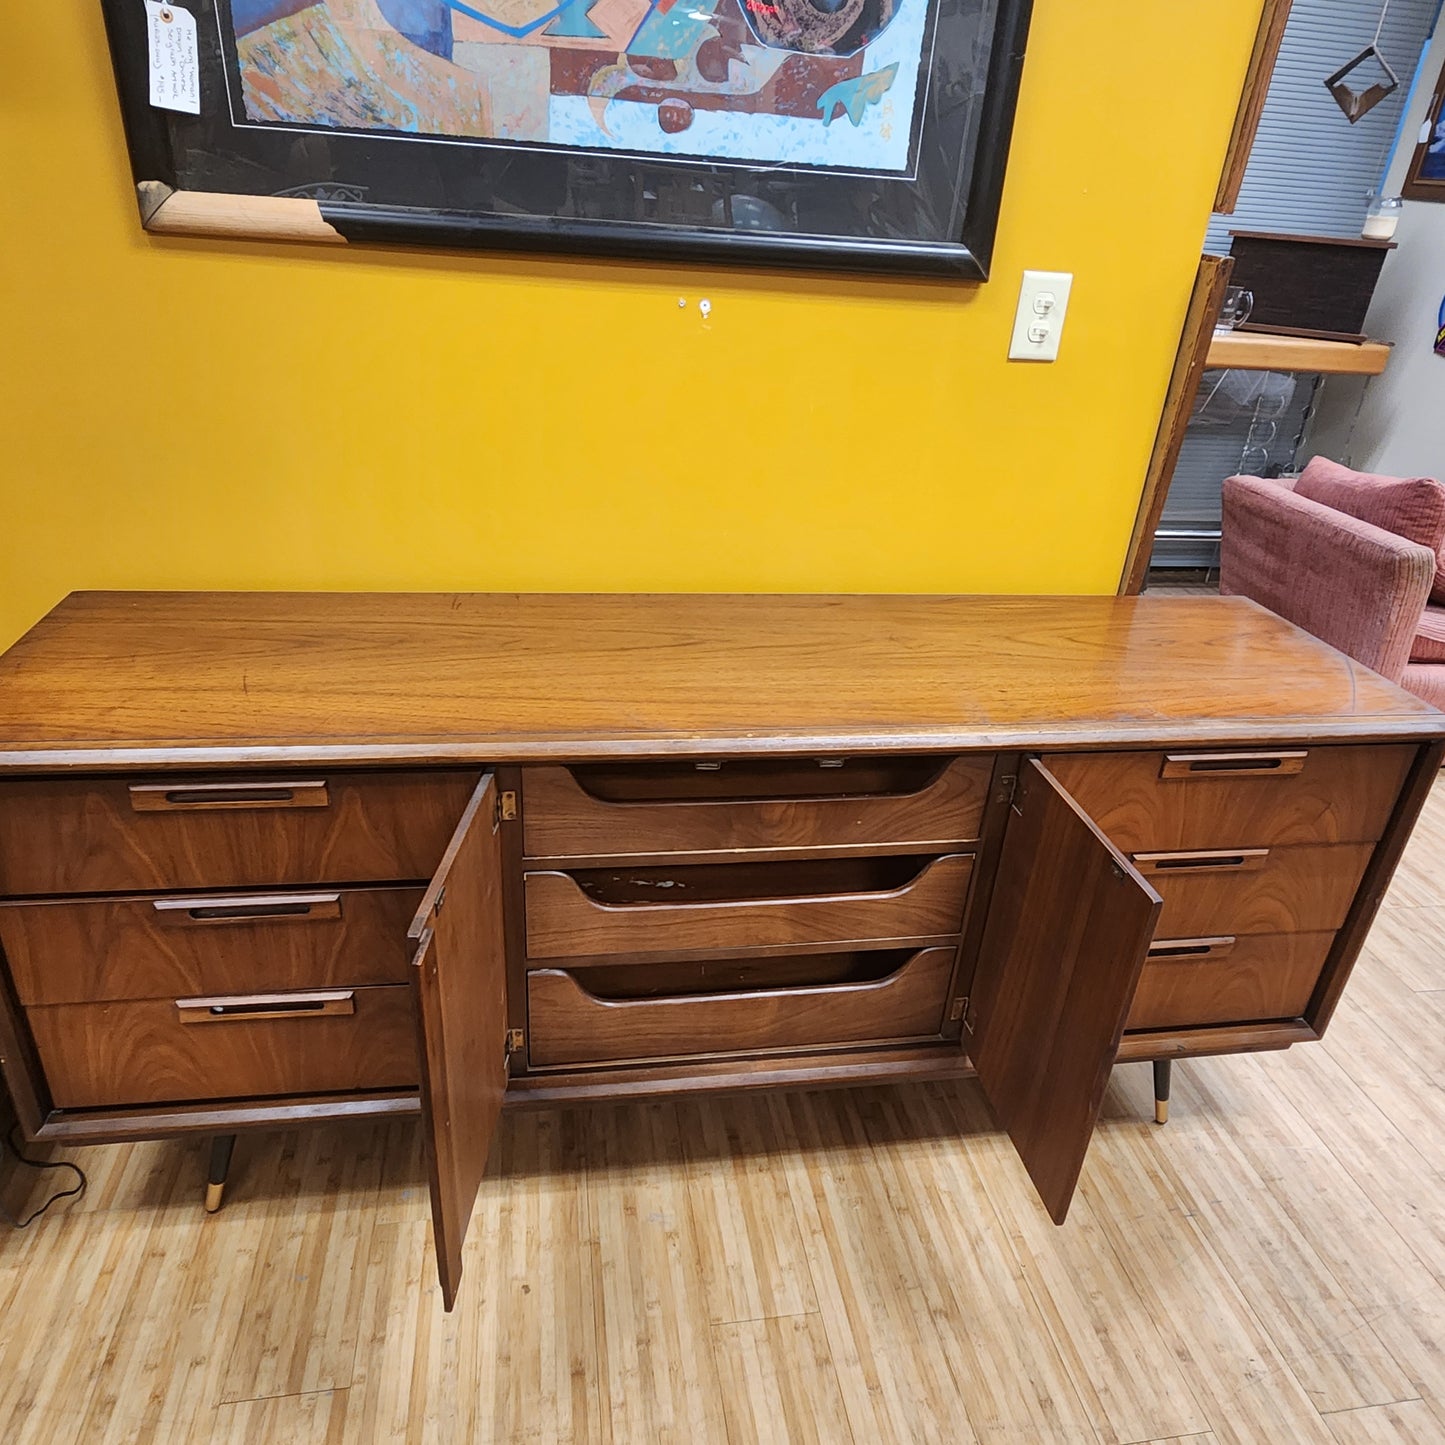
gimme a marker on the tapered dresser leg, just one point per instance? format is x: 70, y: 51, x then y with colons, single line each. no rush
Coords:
x: 221, y: 1147
x: 1163, y: 1068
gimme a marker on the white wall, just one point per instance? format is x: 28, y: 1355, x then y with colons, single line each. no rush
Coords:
x: 1395, y: 423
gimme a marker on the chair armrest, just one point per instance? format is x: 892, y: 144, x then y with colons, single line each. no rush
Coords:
x: 1359, y: 588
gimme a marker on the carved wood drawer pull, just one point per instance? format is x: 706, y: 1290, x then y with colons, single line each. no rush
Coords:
x: 1231, y: 860
x: 235, y: 1008
x: 249, y: 908
x: 186, y: 797
x: 1190, y: 950
x: 1233, y: 765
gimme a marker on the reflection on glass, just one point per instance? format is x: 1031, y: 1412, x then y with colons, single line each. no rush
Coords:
x: 1238, y: 303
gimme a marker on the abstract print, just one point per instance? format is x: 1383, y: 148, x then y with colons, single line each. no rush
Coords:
x: 831, y: 84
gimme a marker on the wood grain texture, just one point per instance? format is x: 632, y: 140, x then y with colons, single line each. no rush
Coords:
x: 186, y: 796
x: 93, y: 950
x: 562, y: 921
x: 1322, y: 1334
x: 923, y: 1352
x: 1338, y: 795
x: 1411, y: 1422
x: 1296, y: 890
x: 754, y: 1260
x: 1350, y: 1221
x: 658, y: 1374
x: 1376, y: 884
x: 1257, y: 351
x: 779, y: 1383
x: 256, y: 679
x: 1205, y: 301
x: 141, y: 1052
x: 1068, y: 929
x: 825, y: 1069
x: 749, y: 1247
x: 460, y: 981
x: 217, y: 214
x: 564, y: 822
x: 1264, y: 976
x: 1272, y: 22
x: 567, y: 1024
x: 1233, y: 1367
x: 1118, y: 1358
x: 59, y: 835
x: 1210, y: 1039
x: 104, y: 1126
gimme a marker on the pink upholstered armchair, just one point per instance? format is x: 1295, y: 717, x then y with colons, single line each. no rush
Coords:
x: 1352, y: 558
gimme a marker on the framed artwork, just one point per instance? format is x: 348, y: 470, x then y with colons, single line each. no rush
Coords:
x: 1426, y: 180
x: 850, y: 134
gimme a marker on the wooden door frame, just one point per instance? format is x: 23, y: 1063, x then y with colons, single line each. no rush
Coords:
x: 1267, y: 42
x: 1204, y: 303
x: 1210, y: 284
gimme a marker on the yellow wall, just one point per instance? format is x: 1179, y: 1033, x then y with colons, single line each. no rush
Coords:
x: 189, y: 414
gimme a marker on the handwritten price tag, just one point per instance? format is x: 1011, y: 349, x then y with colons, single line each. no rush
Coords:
x: 174, y: 57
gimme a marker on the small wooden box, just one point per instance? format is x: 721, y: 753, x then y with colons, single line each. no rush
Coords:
x: 1307, y: 285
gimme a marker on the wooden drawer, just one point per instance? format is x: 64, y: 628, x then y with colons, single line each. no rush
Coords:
x: 1192, y: 981
x: 1237, y: 798
x: 117, y: 835
x: 745, y: 907
x: 569, y: 1024
x: 91, y: 950
x: 1262, y: 890
x: 900, y: 804
x: 155, y: 1051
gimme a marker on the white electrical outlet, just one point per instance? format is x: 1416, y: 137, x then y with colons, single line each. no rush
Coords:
x: 1039, y: 325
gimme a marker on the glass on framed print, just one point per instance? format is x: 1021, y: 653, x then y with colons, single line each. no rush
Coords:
x: 853, y: 134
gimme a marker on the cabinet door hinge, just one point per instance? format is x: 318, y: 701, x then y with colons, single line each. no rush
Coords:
x: 957, y: 1011
x: 506, y: 807
x: 1008, y: 787
x: 516, y: 1041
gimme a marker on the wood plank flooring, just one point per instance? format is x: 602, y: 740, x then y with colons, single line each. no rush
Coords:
x: 847, y: 1268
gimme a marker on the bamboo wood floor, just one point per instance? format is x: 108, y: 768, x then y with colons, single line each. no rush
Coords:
x: 849, y: 1267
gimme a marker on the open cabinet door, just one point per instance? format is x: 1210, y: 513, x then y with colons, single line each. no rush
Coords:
x: 459, y: 976
x: 1069, y: 927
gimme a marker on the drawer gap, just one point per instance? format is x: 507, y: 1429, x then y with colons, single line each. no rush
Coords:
x: 747, y: 882
x: 746, y: 781
x: 699, y: 977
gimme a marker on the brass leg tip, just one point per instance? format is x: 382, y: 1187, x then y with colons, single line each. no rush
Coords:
x: 214, y: 1194
x: 1161, y: 1111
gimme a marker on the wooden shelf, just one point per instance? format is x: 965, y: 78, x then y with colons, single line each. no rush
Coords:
x: 1256, y: 351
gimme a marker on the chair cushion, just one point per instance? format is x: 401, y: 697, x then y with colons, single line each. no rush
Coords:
x: 1427, y: 680
x: 1430, y: 637
x: 1410, y: 507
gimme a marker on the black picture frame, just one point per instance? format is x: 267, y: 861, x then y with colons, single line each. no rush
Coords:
x: 1426, y: 178
x: 208, y: 175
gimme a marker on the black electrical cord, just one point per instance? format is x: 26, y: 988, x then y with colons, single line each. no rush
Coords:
x: 38, y: 1164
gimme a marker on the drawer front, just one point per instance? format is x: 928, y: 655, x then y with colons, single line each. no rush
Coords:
x: 91, y: 950
x: 568, y: 1024
x: 101, y: 835
x: 1237, y: 798
x: 563, y: 820
x: 157, y: 1051
x: 564, y: 922
x: 1194, y: 981
x: 1243, y: 891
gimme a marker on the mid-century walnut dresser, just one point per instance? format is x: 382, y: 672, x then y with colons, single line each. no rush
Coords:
x: 272, y: 858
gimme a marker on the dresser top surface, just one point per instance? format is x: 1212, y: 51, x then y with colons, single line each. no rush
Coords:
x: 132, y: 679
